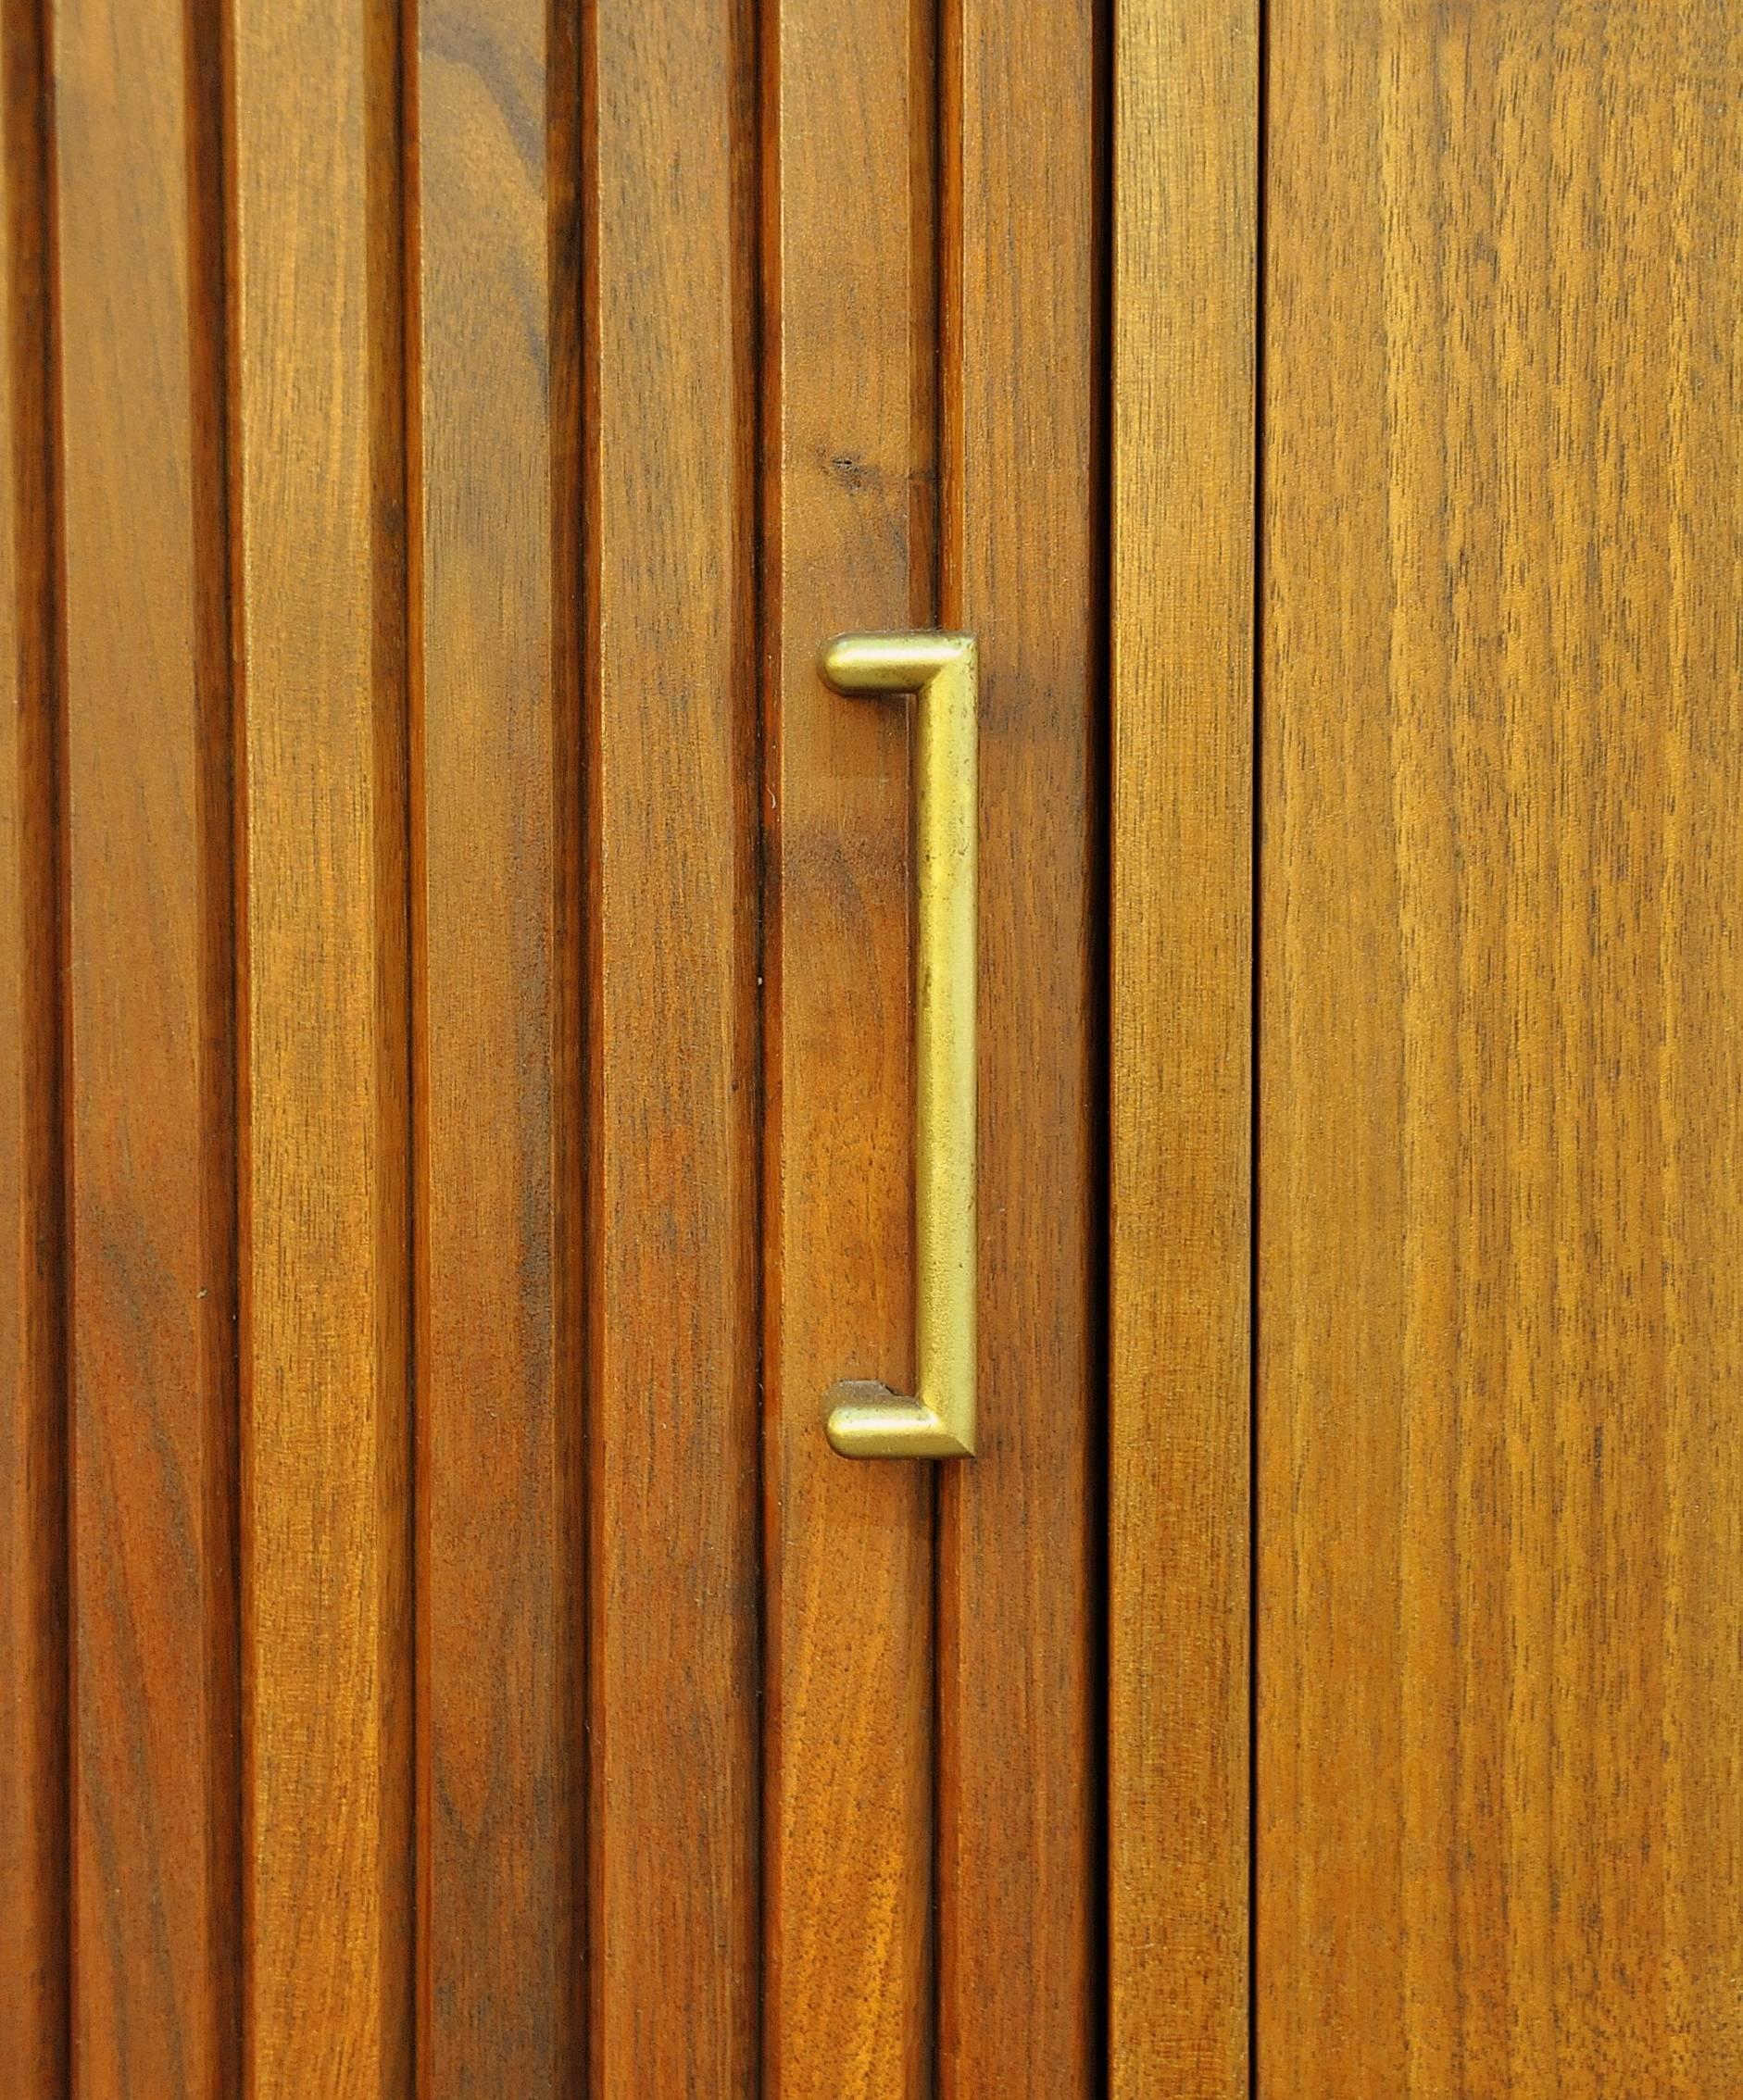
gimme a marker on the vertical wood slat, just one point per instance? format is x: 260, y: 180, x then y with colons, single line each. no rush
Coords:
x: 326, y: 1448
x: 33, y: 1809
x: 496, y: 782
x: 1501, y: 1151
x: 849, y: 1684
x: 672, y: 1047
x: 1185, y: 154
x: 1019, y: 1717
x: 156, y: 1799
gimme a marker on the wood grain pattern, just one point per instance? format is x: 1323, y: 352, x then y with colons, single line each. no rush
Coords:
x: 34, y: 1995
x: 326, y: 1445
x: 1501, y: 1155
x: 495, y: 723
x: 1019, y: 1710
x: 475, y: 418
x: 156, y: 1779
x: 671, y: 730
x: 849, y: 1564
x: 1184, y: 148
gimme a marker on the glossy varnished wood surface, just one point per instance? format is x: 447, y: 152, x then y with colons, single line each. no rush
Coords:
x: 1184, y: 180
x: 494, y: 112
x: 1501, y: 1673
x: 467, y: 424
x: 34, y: 1877
x: 319, y: 559
x: 671, y: 1163
x: 156, y: 1799
x: 850, y: 1677
x: 1019, y: 1715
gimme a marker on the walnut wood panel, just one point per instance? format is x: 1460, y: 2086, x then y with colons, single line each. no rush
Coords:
x: 438, y: 440
x: 670, y: 742
x: 1500, y: 1502
x: 326, y: 1445
x: 1019, y: 1715
x: 33, y: 1811
x: 156, y: 1797
x: 1185, y: 167
x: 495, y: 723
x: 848, y: 264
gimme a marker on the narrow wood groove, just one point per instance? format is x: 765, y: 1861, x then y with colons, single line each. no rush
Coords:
x: 421, y: 1396
x: 1261, y: 145
x: 589, y: 1183
x: 208, y: 403
x: 756, y: 32
x: 589, y: 1049
x: 392, y: 351
x: 228, y: 411
x: 572, y: 1954
x: 1105, y: 20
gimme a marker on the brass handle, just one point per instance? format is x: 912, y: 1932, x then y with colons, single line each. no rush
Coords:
x: 867, y: 1420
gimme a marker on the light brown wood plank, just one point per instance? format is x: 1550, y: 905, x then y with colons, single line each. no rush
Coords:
x: 670, y: 724
x: 1020, y: 1719
x: 849, y: 1544
x: 34, y: 2057
x: 156, y: 1787
x: 319, y: 495
x: 850, y: 1682
x: 495, y: 722
x: 1184, y: 238
x: 1501, y: 1151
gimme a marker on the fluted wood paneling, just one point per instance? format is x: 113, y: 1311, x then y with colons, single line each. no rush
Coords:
x: 438, y: 440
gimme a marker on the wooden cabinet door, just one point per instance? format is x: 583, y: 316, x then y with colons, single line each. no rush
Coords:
x: 458, y: 999
x: 1499, y: 1846
x: 456, y: 1031
x: 1495, y: 1683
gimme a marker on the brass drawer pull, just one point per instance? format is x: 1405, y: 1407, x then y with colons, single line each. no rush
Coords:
x: 865, y: 1420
